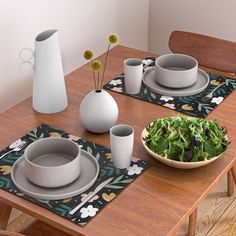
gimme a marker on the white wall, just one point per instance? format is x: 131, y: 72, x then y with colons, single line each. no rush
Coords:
x: 86, y: 23
x: 210, y: 17
x: 82, y: 23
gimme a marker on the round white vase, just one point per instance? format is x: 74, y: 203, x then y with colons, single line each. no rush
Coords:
x: 98, y: 111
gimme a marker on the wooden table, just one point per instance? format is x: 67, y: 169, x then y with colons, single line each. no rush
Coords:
x: 158, y: 202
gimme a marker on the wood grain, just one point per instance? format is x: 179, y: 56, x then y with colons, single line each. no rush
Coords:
x: 192, y: 223
x: 232, y: 171
x: 211, y: 210
x: 230, y: 184
x: 6, y: 233
x: 226, y: 226
x: 165, y: 196
x: 20, y: 223
x: 209, y: 51
x: 14, y: 214
x: 5, y: 212
x: 38, y: 228
x: 27, y: 225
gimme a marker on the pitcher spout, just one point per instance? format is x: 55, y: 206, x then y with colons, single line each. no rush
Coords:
x: 45, y: 35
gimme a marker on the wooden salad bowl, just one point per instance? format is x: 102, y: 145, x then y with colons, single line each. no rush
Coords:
x: 174, y: 163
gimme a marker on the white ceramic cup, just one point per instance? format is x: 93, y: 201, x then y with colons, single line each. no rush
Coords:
x: 121, y: 141
x: 133, y: 73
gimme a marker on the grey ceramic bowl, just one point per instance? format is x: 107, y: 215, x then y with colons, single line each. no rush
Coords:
x: 52, y: 162
x: 176, y: 70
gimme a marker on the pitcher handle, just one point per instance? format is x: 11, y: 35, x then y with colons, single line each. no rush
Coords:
x: 26, y: 55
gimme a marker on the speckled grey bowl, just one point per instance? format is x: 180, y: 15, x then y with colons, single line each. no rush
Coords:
x: 52, y: 162
x: 176, y: 70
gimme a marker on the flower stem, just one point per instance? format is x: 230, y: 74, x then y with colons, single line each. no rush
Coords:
x: 94, y: 80
x: 95, y: 85
x: 98, y: 82
x: 103, y: 73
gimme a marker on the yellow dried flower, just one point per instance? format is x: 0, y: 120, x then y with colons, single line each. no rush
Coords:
x: 108, y: 156
x: 187, y: 107
x: 113, y: 38
x: 88, y: 54
x: 5, y: 169
x: 108, y: 197
x: 67, y: 200
x: 96, y: 65
x: 215, y: 82
x: 55, y: 135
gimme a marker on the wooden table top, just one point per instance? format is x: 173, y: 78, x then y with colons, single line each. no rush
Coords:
x: 159, y: 200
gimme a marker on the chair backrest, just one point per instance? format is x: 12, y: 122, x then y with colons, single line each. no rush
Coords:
x: 211, y: 52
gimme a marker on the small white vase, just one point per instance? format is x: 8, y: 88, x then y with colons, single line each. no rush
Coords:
x: 98, y: 111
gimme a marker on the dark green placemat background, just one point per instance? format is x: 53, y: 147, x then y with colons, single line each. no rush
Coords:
x: 190, y: 105
x: 122, y: 178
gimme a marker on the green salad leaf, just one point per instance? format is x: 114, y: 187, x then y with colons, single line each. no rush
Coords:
x: 186, y: 139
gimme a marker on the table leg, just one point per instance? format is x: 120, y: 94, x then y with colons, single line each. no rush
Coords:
x: 232, y: 171
x: 5, y: 212
x: 230, y: 184
x: 192, y: 223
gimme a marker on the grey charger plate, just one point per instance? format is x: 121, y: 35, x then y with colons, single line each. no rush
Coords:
x: 88, y: 176
x: 199, y: 86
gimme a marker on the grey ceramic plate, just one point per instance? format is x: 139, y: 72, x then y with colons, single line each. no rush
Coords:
x: 199, y: 86
x: 88, y: 175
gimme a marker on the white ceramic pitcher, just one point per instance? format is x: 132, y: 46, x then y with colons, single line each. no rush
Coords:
x: 49, y: 91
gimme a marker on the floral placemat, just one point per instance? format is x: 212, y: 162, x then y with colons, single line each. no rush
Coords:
x: 191, y: 105
x: 122, y: 178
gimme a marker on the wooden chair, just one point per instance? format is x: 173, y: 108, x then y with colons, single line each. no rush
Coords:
x: 213, y: 53
x: 210, y: 52
x: 7, y: 233
x: 36, y: 228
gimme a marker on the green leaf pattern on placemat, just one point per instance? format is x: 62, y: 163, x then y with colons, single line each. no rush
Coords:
x: 190, y: 105
x: 122, y: 178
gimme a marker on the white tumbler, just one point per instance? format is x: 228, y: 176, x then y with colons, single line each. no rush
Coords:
x: 121, y: 141
x: 133, y: 73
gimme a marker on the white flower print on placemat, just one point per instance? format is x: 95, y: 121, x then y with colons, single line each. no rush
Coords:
x: 169, y: 105
x: 117, y: 89
x: 147, y: 62
x: 217, y: 100
x: 166, y: 98
x: 88, y: 211
x: 115, y: 82
x: 134, y: 169
x: 84, y: 195
x: 73, y: 137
